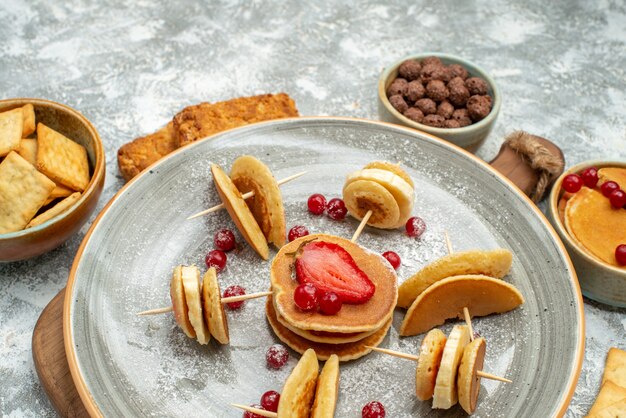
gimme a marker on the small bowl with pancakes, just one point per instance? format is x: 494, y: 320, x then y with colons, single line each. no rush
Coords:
x: 591, y: 229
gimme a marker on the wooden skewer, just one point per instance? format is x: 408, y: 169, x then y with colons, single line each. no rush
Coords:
x: 245, y: 196
x: 257, y: 411
x: 413, y: 357
x: 361, y: 226
x: 230, y: 299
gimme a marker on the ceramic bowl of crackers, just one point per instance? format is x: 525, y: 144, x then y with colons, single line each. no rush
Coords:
x: 52, y: 169
x: 588, y: 210
x: 440, y: 94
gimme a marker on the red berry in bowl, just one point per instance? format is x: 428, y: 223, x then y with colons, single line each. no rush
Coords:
x: 572, y: 183
x: 316, y: 204
x: 620, y: 254
x: 415, y: 227
x: 590, y: 177
x: 234, y: 291
x: 269, y: 400
x: 330, y: 303
x: 618, y: 199
x: 305, y: 297
x: 393, y: 258
x: 608, y: 187
x: 373, y: 409
x: 248, y: 414
x: 217, y: 259
x: 336, y: 209
x: 296, y: 232
x: 276, y: 356
x: 224, y: 240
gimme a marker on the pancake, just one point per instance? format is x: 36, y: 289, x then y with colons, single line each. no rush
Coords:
x: 365, y: 317
x: 345, y: 352
x: 616, y: 174
x: 327, y: 390
x: 212, y: 307
x: 595, y: 225
x: 297, y: 395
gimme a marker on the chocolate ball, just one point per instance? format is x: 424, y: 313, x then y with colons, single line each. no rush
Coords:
x: 415, y: 90
x: 462, y: 116
x: 451, y: 123
x: 431, y: 60
x: 398, y: 86
x: 476, y: 86
x: 457, y: 70
x: 458, y: 93
x: 445, y: 109
x: 427, y: 106
x: 478, y: 107
x: 456, y: 82
x: 410, y: 70
x: 437, y: 90
x: 414, y: 114
x: 435, y: 121
x: 434, y: 72
x: 398, y: 103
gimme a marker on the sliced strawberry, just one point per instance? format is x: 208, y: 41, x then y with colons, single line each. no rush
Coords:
x: 331, y: 268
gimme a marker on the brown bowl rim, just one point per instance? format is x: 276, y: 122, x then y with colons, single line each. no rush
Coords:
x: 98, y: 169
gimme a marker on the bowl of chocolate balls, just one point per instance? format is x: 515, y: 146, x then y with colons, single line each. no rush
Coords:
x: 440, y: 94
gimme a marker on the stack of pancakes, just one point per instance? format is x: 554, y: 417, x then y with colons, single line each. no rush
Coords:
x: 354, y: 327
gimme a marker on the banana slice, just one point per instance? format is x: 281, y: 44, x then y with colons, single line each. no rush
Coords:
x: 431, y: 351
x: 191, y: 286
x: 213, y: 308
x: 361, y: 196
x: 401, y: 190
x: 468, y: 381
x: 327, y: 390
x: 446, y: 299
x: 250, y: 174
x: 239, y: 211
x: 394, y: 168
x: 299, y: 390
x: 445, y: 395
x: 494, y: 263
x: 181, y: 312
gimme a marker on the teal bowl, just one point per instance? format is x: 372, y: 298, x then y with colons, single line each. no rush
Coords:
x: 468, y: 137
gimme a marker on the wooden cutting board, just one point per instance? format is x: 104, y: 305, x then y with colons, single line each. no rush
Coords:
x: 49, y: 349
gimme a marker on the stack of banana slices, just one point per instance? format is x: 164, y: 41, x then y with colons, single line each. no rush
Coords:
x: 261, y: 218
x: 307, y: 392
x: 382, y: 188
x: 197, y: 306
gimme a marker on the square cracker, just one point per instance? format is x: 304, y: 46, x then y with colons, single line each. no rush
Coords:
x: 23, y: 190
x: 57, y: 209
x: 608, y: 395
x: 615, y: 368
x: 28, y: 150
x: 28, y: 112
x: 615, y: 410
x: 11, y: 123
x: 62, y: 159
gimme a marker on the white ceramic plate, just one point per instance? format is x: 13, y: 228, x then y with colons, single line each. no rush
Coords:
x: 125, y: 365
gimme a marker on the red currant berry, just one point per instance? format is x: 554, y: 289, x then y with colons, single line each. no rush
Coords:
x: 305, y: 297
x: 330, y: 303
x: 415, y: 227
x: 269, y: 400
x: 276, y: 356
x: 608, y: 187
x: 336, y: 209
x: 618, y: 199
x: 234, y: 291
x: 316, y: 204
x: 217, y: 259
x: 249, y: 414
x: 590, y: 177
x: 224, y: 240
x: 297, y: 231
x: 373, y: 409
x: 620, y: 254
x: 393, y: 258
x: 572, y: 183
